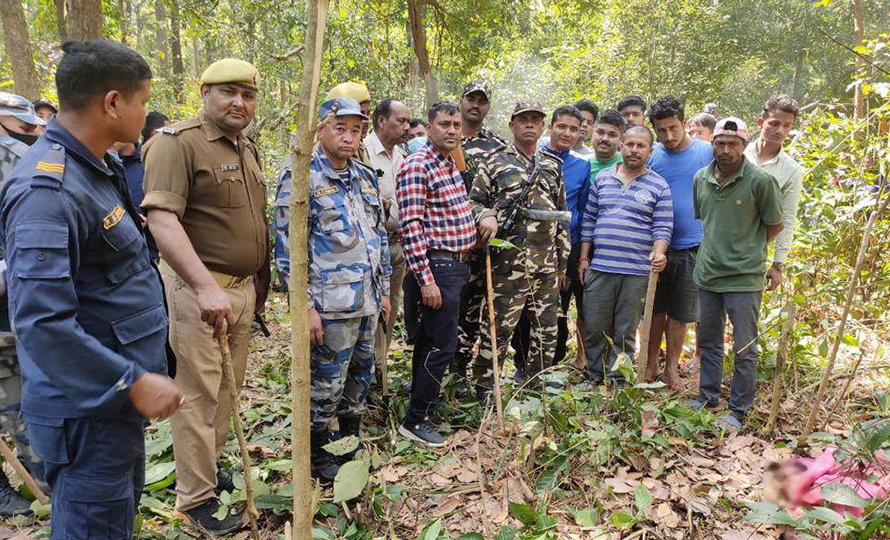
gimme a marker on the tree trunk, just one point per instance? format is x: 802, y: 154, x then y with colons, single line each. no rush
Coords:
x: 85, y: 19
x: 418, y: 38
x: 301, y: 156
x: 859, y: 29
x: 176, y: 50
x: 798, y: 71
x: 18, y: 47
x: 196, y: 57
x: 61, y: 23
x: 123, y: 22
x: 161, y: 37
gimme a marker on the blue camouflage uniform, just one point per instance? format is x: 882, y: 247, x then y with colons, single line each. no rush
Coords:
x: 349, y: 271
x: 88, y: 313
x: 11, y: 151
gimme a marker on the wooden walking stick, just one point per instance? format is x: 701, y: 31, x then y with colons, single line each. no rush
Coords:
x: 781, y: 355
x: 494, y: 340
x: 229, y: 375
x: 643, y: 358
x: 301, y: 148
x: 23, y: 473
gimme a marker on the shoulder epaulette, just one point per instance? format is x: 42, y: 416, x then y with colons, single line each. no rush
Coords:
x: 179, y: 127
x: 49, y: 171
x: 501, y: 145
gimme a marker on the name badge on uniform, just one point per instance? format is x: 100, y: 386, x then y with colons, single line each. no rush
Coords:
x: 369, y: 189
x: 113, y: 218
x: 325, y: 191
x: 227, y: 168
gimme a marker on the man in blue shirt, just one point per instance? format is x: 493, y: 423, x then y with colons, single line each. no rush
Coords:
x: 86, y: 302
x: 676, y: 157
x: 130, y: 154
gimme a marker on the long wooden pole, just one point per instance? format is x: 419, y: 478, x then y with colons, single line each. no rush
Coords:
x: 301, y: 148
x: 494, y: 340
x: 643, y: 357
x: 781, y: 355
x: 23, y: 474
x: 842, y: 326
x: 229, y: 374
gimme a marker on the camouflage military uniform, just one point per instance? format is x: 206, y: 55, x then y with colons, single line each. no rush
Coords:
x: 527, y: 277
x: 475, y: 149
x: 11, y: 151
x: 349, y: 271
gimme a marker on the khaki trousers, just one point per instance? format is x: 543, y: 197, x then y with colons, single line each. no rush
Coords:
x: 382, y: 339
x: 201, y: 425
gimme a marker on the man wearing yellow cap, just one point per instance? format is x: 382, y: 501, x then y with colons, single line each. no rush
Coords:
x: 359, y: 92
x: 205, y: 199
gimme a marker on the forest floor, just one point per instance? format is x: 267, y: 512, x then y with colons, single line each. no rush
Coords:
x: 607, y: 464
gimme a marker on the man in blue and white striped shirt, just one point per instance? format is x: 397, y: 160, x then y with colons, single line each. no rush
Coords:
x: 628, y: 221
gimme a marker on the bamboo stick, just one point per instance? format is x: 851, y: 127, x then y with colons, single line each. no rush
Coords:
x: 781, y: 355
x: 494, y: 340
x: 643, y: 358
x: 20, y: 470
x: 229, y: 374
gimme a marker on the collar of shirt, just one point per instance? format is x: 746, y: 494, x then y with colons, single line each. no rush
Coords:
x: 432, y: 152
x: 483, y: 133
x: 376, y: 148
x: 57, y: 133
x: 711, y: 173
x: 751, y: 150
x: 213, y: 132
x: 327, y: 168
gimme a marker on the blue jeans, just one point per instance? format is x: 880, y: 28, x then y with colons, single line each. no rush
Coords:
x: 743, y: 309
x: 96, y: 467
x: 436, y: 338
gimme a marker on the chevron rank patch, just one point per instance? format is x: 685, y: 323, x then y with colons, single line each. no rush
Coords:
x: 46, y: 166
x: 113, y: 218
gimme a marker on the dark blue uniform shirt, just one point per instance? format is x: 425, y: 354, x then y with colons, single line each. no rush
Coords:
x: 85, y: 300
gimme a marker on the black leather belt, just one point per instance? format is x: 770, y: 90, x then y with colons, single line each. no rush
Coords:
x: 442, y: 255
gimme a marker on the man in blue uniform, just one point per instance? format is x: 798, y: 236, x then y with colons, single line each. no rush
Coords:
x: 86, y: 303
x: 18, y: 131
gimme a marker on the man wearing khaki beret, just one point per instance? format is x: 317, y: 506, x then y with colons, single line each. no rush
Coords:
x: 205, y: 199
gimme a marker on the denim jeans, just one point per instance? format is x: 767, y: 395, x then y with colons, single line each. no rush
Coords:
x: 436, y: 338
x: 743, y: 309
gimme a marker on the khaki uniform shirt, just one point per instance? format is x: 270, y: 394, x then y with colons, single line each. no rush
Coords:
x: 386, y: 182
x: 215, y: 187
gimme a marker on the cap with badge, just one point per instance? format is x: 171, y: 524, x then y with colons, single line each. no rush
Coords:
x: 231, y: 71
x: 527, y: 105
x: 732, y: 126
x: 477, y: 86
x: 353, y: 90
x: 19, y: 107
x: 342, y: 106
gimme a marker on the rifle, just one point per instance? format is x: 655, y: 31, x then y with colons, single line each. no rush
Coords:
x: 516, y: 204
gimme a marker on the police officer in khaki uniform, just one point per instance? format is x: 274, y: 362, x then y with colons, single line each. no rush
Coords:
x: 205, y: 198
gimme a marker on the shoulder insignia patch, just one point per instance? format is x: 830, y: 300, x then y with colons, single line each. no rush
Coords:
x: 49, y: 167
x: 167, y: 130
x: 325, y: 191
x: 113, y: 218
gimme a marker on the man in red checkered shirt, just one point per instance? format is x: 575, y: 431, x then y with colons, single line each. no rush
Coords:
x: 438, y: 231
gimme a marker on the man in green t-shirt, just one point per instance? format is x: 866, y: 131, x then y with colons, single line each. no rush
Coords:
x: 606, y: 138
x: 741, y: 212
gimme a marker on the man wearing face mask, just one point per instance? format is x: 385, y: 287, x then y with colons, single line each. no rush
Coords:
x: 205, y: 202
x: 18, y: 121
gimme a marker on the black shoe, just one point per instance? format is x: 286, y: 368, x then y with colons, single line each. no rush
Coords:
x: 483, y: 394
x: 224, y: 481
x: 201, y: 517
x: 461, y: 389
x: 323, y: 464
x: 423, y: 433
x: 519, y: 378
x: 11, y: 503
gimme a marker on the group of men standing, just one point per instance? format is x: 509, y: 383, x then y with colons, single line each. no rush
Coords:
x: 100, y: 328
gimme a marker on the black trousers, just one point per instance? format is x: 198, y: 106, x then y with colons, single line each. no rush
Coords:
x: 435, y: 339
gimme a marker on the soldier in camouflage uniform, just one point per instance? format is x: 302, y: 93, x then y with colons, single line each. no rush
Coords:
x: 476, y: 142
x: 349, y: 271
x: 530, y: 276
x: 18, y: 123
